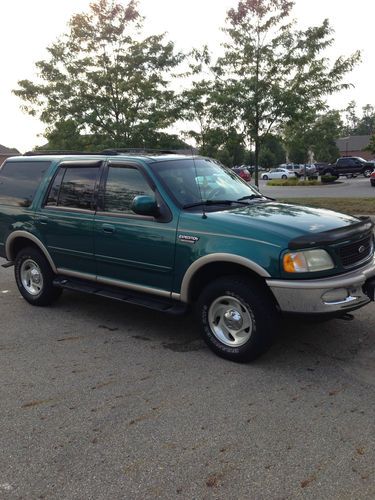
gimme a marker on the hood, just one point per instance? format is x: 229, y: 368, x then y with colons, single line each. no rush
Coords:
x: 279, y: 222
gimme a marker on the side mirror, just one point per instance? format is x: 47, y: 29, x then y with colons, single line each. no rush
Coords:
x: 145, y: 205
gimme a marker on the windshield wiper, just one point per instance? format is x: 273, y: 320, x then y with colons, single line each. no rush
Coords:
x: 250, y: 197
x: 254, y: 196
x: 214, y: 202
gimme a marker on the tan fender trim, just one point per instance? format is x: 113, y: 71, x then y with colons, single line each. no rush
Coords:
x: 24, y: 234
x: 217, y: 257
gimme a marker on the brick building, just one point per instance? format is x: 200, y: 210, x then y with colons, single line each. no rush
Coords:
x: 354, y: 145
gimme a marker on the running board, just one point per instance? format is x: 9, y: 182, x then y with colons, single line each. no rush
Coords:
x: 10, y: 263
x: 124, y: 295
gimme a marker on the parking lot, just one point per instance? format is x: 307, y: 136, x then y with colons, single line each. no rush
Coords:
x: 358, y: 187
x: 105, y: 400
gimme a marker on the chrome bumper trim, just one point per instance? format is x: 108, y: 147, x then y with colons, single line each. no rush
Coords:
x: 306, y: 296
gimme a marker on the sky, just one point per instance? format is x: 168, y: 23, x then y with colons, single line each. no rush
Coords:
x: 27, y: 27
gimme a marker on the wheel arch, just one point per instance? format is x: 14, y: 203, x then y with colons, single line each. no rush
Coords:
x: 216, y: 265
x: 21, y: 239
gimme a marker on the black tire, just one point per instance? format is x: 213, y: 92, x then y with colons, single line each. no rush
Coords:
x: 48, y: 293
x: 284, y: 176
x: 372, y: 183
x: 255, y: 302
x: 367, y: 172
x: 265, y: 177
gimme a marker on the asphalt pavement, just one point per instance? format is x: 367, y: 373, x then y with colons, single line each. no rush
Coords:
x: 101, y: 400
x: 359, y: 187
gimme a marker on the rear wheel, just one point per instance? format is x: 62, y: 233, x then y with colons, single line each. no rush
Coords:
x: 34, y: 277
x: 265, y: 177
x: 284, y: 176
x: 238, y: 318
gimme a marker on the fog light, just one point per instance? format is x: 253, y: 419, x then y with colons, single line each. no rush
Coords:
x: 337, y: 295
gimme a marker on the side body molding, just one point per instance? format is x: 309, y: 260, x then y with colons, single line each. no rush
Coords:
x: 9, y: 250
x: 212, y: 258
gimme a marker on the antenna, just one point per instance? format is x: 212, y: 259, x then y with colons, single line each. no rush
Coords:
x: 204, y: 215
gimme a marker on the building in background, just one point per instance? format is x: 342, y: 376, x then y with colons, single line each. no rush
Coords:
x: 6, y: 152
x: 354, y: 145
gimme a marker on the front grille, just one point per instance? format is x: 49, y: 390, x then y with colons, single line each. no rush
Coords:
x: 357, y: 252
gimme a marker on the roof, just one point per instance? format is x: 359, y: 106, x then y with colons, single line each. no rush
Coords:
x: 353, y: 142
x: 118, y: 157
x: 8, y: 151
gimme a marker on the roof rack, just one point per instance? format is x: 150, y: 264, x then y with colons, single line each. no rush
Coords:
x: 107, y: 152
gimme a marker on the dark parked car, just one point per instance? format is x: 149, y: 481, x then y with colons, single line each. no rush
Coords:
x: 372, y: 179
x: 350, y: 166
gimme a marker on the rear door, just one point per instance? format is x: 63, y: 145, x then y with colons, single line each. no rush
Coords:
x: 19, y: 181
x: 66, y: 217
x: 132, y: 251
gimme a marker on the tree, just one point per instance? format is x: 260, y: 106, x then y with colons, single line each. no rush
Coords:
x: 371, y: 146
x: 317, y: 134
x: 103, y: 80
x: 270, y: 72
x: 272, y: 151
x: 355, y: 125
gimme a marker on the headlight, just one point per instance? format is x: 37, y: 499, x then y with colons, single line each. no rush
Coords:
x: 307, y: 261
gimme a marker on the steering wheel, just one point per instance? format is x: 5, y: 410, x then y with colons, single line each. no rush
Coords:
x: 212, y: 194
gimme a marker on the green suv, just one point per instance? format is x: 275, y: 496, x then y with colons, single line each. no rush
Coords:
x: 167, y: 232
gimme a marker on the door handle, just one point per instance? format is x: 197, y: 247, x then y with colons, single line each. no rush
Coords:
x: 108, y: 228
x: 43, y: 219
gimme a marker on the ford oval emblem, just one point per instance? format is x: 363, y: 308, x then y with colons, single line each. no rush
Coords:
x: 361, y: 249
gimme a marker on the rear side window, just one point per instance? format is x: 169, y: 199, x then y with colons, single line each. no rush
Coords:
x: 73, y: 187
x: 20, y: 180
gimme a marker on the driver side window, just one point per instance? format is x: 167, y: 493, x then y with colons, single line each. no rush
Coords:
x: 122, y: 186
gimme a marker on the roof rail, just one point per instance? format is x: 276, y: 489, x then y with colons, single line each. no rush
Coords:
x: 44, y: 152
x: 108, y: 152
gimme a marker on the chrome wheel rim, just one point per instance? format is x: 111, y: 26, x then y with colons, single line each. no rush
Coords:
x: 230, y: 321
x: 31, y: 277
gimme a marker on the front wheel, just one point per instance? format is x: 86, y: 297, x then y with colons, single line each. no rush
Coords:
x: 284, y: 177
x: 265, y: 177
x: 34, y: 277
x: 238, y: 318
x: 367, y: 172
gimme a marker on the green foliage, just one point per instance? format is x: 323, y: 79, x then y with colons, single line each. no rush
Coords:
x: 269, y: 73
x: 103, y: 80
x: 371, y: 146
x: 359, y: 125
x: 317, y: 134
x: 292, y: 182
x: 272, y: 151
x: 328, y: 179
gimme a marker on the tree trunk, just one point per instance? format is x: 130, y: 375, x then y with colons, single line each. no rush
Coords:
x: 256, y: 172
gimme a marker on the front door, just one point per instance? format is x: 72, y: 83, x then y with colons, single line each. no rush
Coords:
x: 132, y: 251
x: 65, y: 221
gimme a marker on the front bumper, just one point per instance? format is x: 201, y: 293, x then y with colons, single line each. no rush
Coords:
x: 325, y: 296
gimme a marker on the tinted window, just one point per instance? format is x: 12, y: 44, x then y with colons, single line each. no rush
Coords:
x: 73, y: 187
x: 20, y: 180
x: 55, y: 189
x: 122, y: 186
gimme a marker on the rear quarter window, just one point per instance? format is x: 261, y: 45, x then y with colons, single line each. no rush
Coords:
x: 20, y: 180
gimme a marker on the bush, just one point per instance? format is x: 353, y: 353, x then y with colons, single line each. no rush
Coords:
x: 293, y: 182
x: 328, y: 179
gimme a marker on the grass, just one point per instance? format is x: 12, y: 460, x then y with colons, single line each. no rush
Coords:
x: 351, y: 206
x: 293, y: 182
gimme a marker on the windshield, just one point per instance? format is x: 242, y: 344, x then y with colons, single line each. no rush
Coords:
x: 193, y: 181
